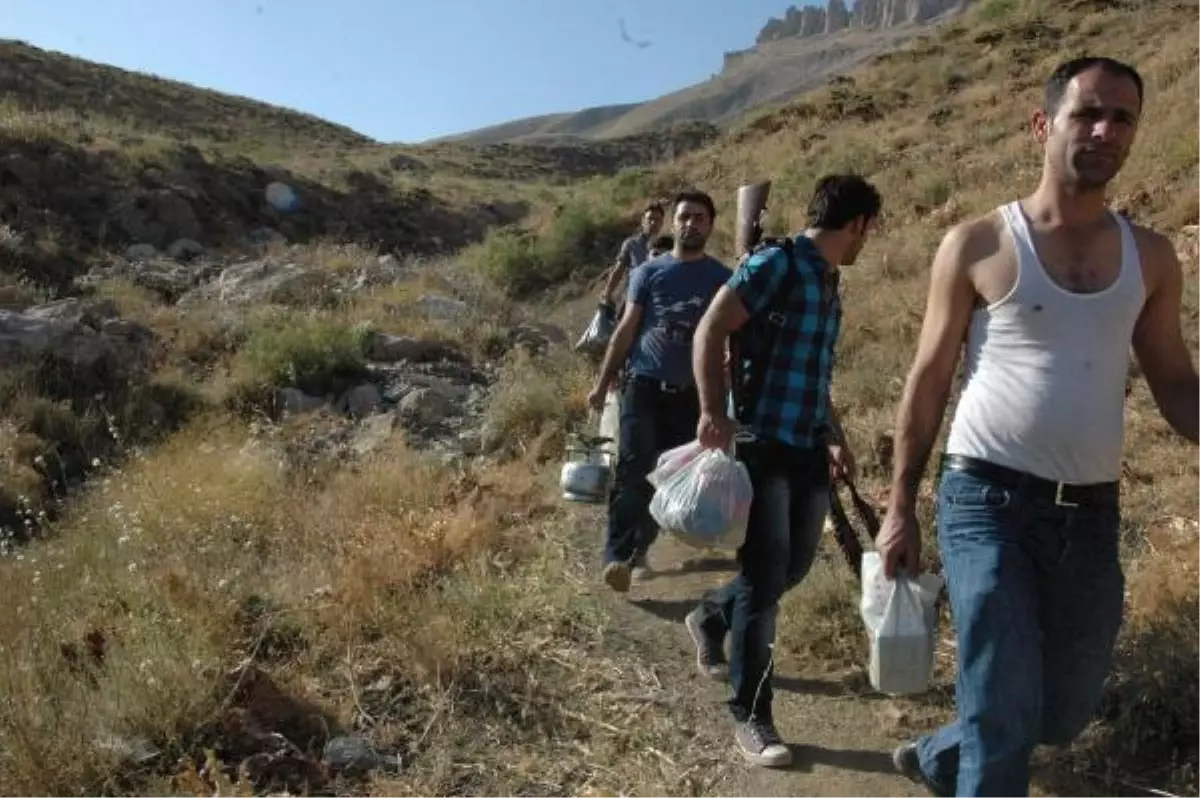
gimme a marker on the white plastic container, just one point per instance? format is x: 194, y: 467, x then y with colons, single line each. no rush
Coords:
x: 901, y: 620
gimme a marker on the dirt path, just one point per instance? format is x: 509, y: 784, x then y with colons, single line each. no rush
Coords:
x: 839, y: 739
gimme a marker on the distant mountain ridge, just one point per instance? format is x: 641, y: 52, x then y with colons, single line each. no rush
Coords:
x: 792, y: 55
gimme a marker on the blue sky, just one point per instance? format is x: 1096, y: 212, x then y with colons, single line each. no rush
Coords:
x: 404, y: 70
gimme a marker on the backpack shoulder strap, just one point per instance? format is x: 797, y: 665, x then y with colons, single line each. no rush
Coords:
x: 749, y: 389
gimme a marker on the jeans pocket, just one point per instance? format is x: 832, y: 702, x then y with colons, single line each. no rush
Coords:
x: 964, y: 490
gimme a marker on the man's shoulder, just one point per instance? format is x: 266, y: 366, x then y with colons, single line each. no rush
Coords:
x: 974, y: 239
x: 1150, y: 241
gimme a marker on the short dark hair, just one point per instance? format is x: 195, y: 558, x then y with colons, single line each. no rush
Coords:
x: 1056, y: 84
x: 698, y: 197
x: 654, y: 206
x: 663, y: 242
x: 840, y: 199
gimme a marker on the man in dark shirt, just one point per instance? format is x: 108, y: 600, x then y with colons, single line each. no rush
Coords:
x: 659, y: 405
x: 792, y: 438
x: 634, y: 251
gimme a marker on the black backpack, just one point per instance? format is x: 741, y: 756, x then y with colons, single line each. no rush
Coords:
x: 751, y: 347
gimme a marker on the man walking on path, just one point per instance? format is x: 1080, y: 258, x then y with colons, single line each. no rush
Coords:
x: 659, y: 407
x: 634, y: 251
x: 1049, y: 292
x: 796, y: 438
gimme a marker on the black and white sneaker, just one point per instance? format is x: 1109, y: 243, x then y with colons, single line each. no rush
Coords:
x: 710, y: 656
x: 761, y: 744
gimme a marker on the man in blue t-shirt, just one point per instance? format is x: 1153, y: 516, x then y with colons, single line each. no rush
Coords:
x: 786, y: 314
x: 659, y: 404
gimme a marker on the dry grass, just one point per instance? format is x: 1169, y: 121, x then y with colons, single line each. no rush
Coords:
x: 203, y: 593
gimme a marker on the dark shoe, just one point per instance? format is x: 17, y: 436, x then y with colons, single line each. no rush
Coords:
x: 908, y: 764
x: 761, y: 744
x: 710, y: 657
x: 616, y: 575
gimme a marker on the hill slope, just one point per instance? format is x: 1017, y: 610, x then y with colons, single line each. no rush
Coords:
x: 769, y: 73
x: 34, y: 80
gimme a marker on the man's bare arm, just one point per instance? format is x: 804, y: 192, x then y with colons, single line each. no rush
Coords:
x: 1158, y: 341
x: 725, y: 315
x: 927, y: 388
x: 618, y: 347
x: 618, y: 271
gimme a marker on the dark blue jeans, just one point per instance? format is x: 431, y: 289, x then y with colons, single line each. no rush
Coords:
x: 791, y: 500
x: 653, y: 419
x: 1036, y: 591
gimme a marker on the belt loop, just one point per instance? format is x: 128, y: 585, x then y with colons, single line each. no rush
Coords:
x: 1058, y: 496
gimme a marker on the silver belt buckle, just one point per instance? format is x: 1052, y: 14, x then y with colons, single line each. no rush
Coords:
x: 1058, y: 496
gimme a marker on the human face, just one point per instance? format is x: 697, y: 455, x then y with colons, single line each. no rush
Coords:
x: 693, y: 224
x: 652, y: 222
x: 1090, y: 134
x: 859, y: 230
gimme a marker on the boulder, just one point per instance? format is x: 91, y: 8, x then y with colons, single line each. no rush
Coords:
x: 141, y: 252
x: 441, y: 307
x: 387, y: 348
x: 86, y: 337
x: 185, y: 249
x: 263, y: 281
x: 361, y: 401
x: 424, y: 407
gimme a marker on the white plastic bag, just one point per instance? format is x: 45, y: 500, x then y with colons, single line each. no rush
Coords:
x: 901, y: 623
x: 706, y: 502
x: 595, y: 338
x: 670, y: 461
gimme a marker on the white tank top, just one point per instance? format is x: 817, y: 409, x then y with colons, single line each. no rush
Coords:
x: 1045, y: 370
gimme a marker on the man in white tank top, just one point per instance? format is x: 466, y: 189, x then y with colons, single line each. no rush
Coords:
x: 1048, y: 294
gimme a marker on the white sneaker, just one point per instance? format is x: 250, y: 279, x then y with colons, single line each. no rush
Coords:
x: 761, y: 745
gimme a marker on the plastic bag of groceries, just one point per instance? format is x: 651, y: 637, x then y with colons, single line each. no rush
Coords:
x: 598, y: 333
x: 901, y: 620
x: 670, y: 461
x: 706, y: 502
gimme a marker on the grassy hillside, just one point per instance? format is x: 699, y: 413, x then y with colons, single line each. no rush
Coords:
x: 769, y: 74
x: 232, y: 587
x: 942, y: 126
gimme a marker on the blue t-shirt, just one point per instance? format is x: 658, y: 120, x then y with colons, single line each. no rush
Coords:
x: 673, y: 295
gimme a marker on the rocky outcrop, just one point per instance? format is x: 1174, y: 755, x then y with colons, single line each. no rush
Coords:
x: 87, y: 337
x: 863, y: 15
x: 837, y: 16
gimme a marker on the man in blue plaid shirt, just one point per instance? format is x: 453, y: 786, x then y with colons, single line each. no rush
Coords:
x: 794, y: 438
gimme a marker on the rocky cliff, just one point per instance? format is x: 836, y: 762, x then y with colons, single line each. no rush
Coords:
x: 813, y: 20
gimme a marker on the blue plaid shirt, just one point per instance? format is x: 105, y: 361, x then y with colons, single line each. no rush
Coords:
x: 793, y: 405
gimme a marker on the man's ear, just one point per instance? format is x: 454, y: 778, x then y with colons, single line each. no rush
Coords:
x: 1040, y: 123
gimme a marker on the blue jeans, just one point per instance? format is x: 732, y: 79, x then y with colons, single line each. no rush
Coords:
x: 787, y: 515
x: 653, y: 420
x: 1037, y: 592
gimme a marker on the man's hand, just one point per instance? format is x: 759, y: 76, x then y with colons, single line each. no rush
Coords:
x: 841, y: 462
x: 596, y: 398
x: 899, y: 542
x: 715, y: 432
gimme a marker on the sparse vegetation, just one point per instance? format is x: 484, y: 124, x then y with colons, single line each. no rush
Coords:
x: 577, y: 239
x: 195, y: 585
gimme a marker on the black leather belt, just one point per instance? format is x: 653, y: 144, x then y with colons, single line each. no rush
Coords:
x: 1062, y: 493
x: 664, y: 387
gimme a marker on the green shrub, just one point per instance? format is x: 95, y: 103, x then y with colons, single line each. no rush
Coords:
x: 581, y: 238
x: 319, y: 356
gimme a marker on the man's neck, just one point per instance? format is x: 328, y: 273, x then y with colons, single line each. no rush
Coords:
x: 1060, y: 205
x: 687, y: 256
x: 827, y: 244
